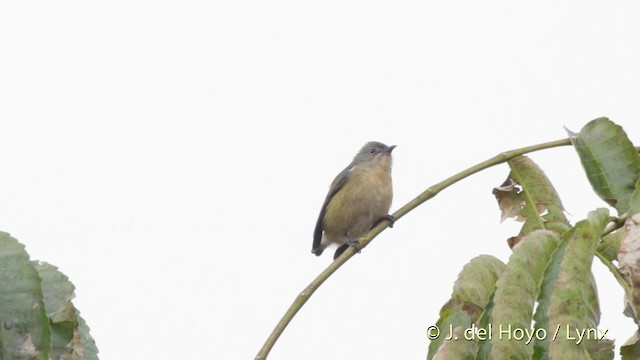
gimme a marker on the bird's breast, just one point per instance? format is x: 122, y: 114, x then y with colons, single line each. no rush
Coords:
x: 360, y: 203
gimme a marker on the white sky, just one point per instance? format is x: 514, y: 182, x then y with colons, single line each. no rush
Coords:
x: 171, y: 157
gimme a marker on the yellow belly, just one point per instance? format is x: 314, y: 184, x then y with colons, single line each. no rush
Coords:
x: 357, y: 206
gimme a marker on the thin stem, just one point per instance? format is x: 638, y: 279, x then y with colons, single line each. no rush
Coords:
x: 616, y: 273
x: 432, y: 191
x: 614, y: 224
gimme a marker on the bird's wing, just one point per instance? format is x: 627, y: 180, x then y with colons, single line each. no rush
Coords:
x: 336, y: 185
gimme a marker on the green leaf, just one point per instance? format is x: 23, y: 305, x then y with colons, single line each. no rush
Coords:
x: 598, y: 349
x: 570, y: 306
x: 598, y: 219
x: 634, y: 202
x: 484, y: 346
x: 58, y: 292
x: 457, y: 349
x: 528, y: 195
x: 517, y: 290
x: 610, y: 160
x: 568, y: 296
x: 69, y: 332
x: 476, y: 283
x: 610, y: 245
x: 630, y: 350
x: 541, y: 318
x: 87, y: 344
x: 471, y: 293
x: 24, y: 328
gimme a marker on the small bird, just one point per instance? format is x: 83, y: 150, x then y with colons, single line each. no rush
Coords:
x: 358, y: 199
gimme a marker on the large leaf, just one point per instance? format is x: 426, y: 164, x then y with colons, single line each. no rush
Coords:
x: 70, y: 338
x: 471, y: 293
x: 517, y: 290
x: 58, y: 292
x: 528, y: 195
x: 24, y: 330
x: 568, y: 302
x: 610, y: 160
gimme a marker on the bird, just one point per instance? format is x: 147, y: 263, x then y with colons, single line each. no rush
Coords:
x: 359, y: 198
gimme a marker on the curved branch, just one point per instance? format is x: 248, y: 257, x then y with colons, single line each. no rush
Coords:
x: 432, y: 191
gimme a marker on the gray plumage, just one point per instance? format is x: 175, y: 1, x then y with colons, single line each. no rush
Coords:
x: 358, y: 198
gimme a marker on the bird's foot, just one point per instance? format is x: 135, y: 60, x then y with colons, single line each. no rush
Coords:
x: 390, y: 219
x: 354, y: 244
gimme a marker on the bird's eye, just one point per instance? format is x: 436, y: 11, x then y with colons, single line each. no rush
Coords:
x: 372, y: 150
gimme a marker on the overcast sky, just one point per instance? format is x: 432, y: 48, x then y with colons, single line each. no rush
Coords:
x: 171, y: 158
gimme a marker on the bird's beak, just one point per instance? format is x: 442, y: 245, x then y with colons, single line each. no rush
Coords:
x: 390, y: 148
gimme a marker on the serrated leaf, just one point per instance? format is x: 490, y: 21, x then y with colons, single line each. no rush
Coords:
x: 58, y: 292
x: 528, y: 195
x: 517, y: 290
x: 24, y: 327
x: 471, y: 293
x: 69, y: 332
x: 610, y: 160
x: 87, y: 346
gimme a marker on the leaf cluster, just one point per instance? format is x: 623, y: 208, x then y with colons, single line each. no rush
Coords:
x: 546, y: 288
